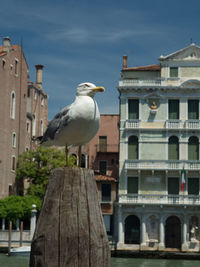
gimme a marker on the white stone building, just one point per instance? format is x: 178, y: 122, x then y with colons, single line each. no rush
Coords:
x: 159, y: 136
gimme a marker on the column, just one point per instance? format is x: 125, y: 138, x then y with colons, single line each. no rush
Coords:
x: 3, y: 224
x: 33, y: 221
x: 143, y: 232
x: 184, y: 234
x: 161, y: 245
x: 120, y: 227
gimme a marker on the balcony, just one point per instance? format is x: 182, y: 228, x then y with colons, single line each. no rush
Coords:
x: 192, y: 124
x: 113, y: 148
x: 132, y: 124
x: 159, y: 199
x: 137, y: 82
x: 166, y: 165
x: 174, y: 124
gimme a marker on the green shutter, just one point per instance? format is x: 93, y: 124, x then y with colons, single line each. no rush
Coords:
x: 173, y: 109
x: 174, y: 72
x: 133, y: 147
x: 193, y: 148
x: 132, y: 185
x: 193, y: 186
x: 173, y: 186
x: 133, y: 109
x: 173, y: 148
x: 193, y: 109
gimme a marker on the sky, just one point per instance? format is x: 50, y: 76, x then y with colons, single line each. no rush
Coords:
x: 84, y: 40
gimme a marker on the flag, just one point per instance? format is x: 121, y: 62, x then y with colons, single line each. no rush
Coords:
x: 182, y: 179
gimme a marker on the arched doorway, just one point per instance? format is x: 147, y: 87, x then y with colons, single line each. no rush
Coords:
x: 173, y: 232
x: 132, y: 230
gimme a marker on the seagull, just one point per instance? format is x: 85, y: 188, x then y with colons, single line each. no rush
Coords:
x: 76, y: 124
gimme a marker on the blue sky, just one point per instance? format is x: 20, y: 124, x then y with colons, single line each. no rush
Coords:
x: 84, y: 40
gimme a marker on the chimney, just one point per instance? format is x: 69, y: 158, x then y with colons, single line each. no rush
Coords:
x: 39, y: 75
x: 125, y: 61
x: 6, y: 44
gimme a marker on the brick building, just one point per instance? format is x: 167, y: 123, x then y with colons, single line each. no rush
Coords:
x: 18, y: 108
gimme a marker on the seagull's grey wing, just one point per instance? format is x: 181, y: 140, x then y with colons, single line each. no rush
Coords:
x: 61, y: 119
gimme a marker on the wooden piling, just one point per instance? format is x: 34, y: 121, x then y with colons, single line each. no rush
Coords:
x: 70, y: 231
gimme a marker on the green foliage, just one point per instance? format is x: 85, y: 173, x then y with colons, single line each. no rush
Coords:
x: 18, y: 207
x: 36, y: 166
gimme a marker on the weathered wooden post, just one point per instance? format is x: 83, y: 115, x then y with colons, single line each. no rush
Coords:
x: 70, y: 230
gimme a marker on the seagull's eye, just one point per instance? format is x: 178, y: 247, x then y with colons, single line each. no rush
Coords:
x: 86, y: 85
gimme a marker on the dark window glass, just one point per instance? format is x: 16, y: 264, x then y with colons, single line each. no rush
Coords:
x: 102, y: 167
x: 106, y: 192
x: 193, y: 186
x: 193, y: 109
x: 173, y: 186
x: 173, y: 148
x: 133, y: 109
x: 193, y: 148
x: 173, y: 72
x: 173, y: 109
x: 132, y: 185
x: 102, y: 143
x: 133, y: 147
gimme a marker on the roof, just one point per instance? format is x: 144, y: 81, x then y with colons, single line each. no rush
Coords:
x: 2, y: 53
x: 153, y: 67
x: 105, y: 178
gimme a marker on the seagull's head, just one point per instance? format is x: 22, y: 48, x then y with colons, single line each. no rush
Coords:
x: 88, y: 89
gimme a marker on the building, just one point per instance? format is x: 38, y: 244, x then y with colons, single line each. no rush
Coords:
x: 159, y: 138
x: 102, y: 155
x: 17, y: 110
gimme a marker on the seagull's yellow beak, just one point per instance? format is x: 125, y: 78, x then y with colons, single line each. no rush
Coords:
x: 99, y: 89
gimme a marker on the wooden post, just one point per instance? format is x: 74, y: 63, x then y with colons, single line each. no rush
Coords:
x: 9, y: 237
x: 70, y: 231
x: 21, y: 233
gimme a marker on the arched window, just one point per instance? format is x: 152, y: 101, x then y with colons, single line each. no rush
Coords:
x: 34, y: 125
x: 193, y: 148
x: 41, y: 128
x: 173, y: 148
x: 133, y: 147
x: 14, y: 140
x: 82, y: 161
x: 12, y: 105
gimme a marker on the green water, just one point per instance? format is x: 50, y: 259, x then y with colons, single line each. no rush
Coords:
x: 23, y: 261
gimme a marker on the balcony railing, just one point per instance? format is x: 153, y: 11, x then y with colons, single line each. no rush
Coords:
x: 132, y: 124
x: 132, y: 82
x: 162, y: 165
x: 192, y: 124
x: 113, y: 148
x: 174, y: 124
x: 159, y: 199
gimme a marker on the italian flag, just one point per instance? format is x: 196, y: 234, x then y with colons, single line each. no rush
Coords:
x: 182, y: 179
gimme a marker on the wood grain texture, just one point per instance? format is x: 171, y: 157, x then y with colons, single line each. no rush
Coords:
x: 70, y: 229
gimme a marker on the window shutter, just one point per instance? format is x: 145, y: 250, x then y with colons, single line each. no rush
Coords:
x: 193, y: 186
x: 133, y: 147
x: 173, y: 148
x: 133, y: 109
x: 173, y: 109
x: 132, y: 185
x: 193, y: 148
x: 173, y: 186
x: 193, y: 109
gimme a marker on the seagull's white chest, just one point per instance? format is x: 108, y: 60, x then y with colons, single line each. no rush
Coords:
x: 84, y: 120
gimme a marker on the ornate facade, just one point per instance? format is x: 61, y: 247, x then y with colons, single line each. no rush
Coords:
x: 158, y: 206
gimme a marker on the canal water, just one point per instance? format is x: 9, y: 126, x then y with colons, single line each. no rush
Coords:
x: 23, y: 261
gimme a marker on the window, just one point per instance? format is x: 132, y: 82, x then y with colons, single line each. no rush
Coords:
x: 42, y: 101
x: 14, y: 139
x: 28, y: 127
x: 34, y: 125
x: 193, y: 148
x: 173, y: 109
x: 193, y: 186
x: 10, y: 189
x: 173, y: 148
x: 193, y: 109
x: 3, y: 63
x: 16, y: 67
x: 132, y: 185
x: 173, y: 186
x: 12, y: 105
x: 105, y: 192
x: 108, y: 223
x: 83, y: 161
x: 35, y: 95
x: 133, y: 109
x: 102, y: 143
x: 173, y: 72
x: 41, y: 128
x: 13, y: 167
x: 133, y: 147
x: 102, y: 167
